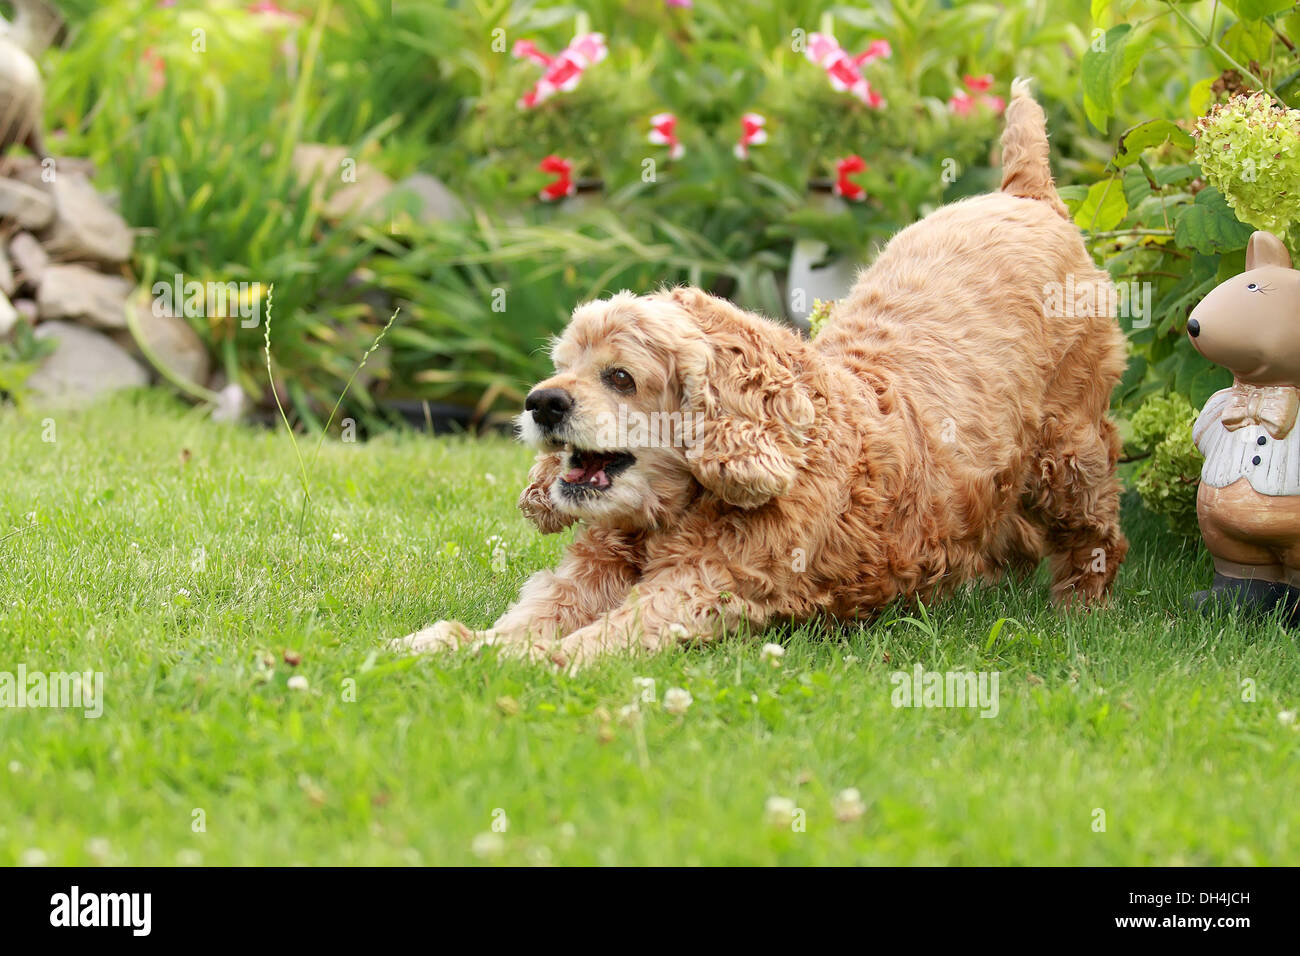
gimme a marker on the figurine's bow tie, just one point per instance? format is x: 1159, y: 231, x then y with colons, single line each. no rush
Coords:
x: 1273, y: 406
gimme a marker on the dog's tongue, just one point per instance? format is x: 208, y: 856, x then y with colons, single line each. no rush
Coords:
x: 590, y: 472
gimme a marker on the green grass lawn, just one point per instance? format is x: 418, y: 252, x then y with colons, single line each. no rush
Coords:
x: 163, y: 551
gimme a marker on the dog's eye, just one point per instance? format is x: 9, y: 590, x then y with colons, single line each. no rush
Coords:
x: 620, y: 381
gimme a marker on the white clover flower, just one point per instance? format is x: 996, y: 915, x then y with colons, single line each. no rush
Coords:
x: 33, y: 857
x: 497, y: 546
x: 847, y: 805
x: 677, y: 700
x: 15, y: 767
x: 339, y: 536
x: 487, y: 845
x: 778, y: 811
x: 182, y: 592
x: 1286, y: 717
x: 189, y: 858
x: 297, y: 682
x: 772, y: 654
x: 645, y: 688
x: 98, y: 847
x: 629, y: 713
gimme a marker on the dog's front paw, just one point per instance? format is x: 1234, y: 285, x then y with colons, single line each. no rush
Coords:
x: 443, y: 636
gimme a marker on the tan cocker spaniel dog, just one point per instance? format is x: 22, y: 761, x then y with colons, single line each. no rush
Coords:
x: 949, y: 423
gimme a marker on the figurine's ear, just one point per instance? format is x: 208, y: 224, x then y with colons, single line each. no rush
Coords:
x: 1266, y: 249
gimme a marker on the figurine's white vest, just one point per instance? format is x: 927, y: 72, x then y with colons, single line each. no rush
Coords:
x: 1272, y: 466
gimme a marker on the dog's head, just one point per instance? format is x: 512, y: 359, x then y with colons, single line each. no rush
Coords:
x: 657, y: 398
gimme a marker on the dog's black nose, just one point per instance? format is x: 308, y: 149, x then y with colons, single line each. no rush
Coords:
x: 548, y: 405
x: 1193, y: 328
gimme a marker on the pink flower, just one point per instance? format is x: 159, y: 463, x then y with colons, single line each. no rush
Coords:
x: 683, y: 4
x: 663, y: 132
x: 527, y: 49
x: 752, y: 133
x: 563, y: 184
x: 964, y: 102
x: 844, y: 71
x: 273, y: 11
x: 961, y: 103
x: 564, y: 70
x: 843, y: 185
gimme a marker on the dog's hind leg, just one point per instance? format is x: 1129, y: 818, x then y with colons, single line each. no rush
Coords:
x: 1074, y: 491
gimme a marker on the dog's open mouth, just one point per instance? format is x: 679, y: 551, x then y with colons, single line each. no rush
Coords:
x: 596, y: 469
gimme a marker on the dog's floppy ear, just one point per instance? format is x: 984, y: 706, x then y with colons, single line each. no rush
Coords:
x: 535, y: 500
x: 748, y: 411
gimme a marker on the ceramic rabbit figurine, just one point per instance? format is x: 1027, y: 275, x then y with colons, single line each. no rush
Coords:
x: 1248, y: 504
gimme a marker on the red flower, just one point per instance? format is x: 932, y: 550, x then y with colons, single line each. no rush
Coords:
x: 843, y: 185
x: 963, y: 102
x: 752, y: 133
x: 562, y: 71
x: 663, y: 132
x: 563, y: 184
x: 844, y: 71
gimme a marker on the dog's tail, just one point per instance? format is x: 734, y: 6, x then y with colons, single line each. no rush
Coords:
x: 1025, y: 171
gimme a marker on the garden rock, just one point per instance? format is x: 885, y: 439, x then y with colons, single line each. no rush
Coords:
x: 434, y: 202
x: 83, y: 366
x: 27, y: 309
x: 26, y: 253
x: 84, y: 227
x: 8, y: 316
x: 7, y: 283
x: 76, y: 292
x: 341, y: 186
x: 28, y: 206
x: 175, y: 344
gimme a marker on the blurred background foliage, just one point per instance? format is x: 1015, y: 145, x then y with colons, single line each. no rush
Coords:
x: 199, y: 148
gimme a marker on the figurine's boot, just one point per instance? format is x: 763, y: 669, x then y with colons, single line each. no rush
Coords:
x: 1250, y: 595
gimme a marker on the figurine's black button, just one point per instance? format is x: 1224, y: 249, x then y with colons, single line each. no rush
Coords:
x: 1262, y: 440
x: 1255, y: 460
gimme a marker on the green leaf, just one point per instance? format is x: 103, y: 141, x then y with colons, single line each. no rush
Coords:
x: 1201, y: 97
x: 1104, y: 208
x: 1143, y: 136
x: 1107, y: 68
x: 1259, y: 9
x: 1208, y: 225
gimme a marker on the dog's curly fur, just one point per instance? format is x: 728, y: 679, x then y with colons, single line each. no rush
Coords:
x: 943, y: 427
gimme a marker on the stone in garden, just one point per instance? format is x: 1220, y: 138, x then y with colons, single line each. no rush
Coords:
x: 84, y: 227
x: 26, y: 253
x: 812, y: 277
x: 8, y: 316
x: 27, y: 309
x: 29, y: 207
x: 75, y: 292
x: 84, y: 365
x: 433, y: 201
x: 231, y: 406
x: 174, y: 343
x: 8, y: 285
x: 339, y: 184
